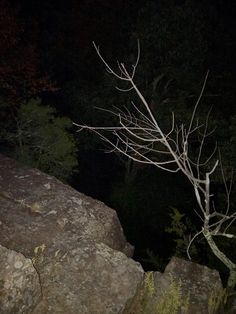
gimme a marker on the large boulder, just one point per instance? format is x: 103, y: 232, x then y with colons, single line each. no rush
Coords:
x: 92, y: 278
x: 37, y: 208
x: 184, y: 288
x: 200, y: 284
x: 20, y: 289
x: 76, y: 243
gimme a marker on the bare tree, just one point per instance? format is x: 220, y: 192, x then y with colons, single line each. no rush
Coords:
x: 140, y: 137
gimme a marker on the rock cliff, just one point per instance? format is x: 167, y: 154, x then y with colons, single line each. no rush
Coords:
x: 76, y: 243
x: 64, y: 252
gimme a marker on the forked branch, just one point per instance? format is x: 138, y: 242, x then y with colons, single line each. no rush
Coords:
x: 139, y: 137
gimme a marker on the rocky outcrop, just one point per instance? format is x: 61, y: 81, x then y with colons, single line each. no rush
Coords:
x: 20, y: 289
x: 76, y: 243
x: 90, y: 279
x: 198, y: 283
x: 65, y: 252
x: 184, y: 288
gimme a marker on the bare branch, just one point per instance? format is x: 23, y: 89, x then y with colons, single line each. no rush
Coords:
x: 197, y: 103
x: 139, y: 137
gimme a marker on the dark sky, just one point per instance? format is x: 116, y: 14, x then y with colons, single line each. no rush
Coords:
x: 81, y: 22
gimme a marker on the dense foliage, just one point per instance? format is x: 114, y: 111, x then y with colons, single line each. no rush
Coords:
x: 42, y: 140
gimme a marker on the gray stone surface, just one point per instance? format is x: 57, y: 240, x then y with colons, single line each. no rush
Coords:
x: 20, y: 289
x: 92, y: 278
x: 39, y: 207
x: 77, y: 243
x: 184, y: 288
x: 198, y: 283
